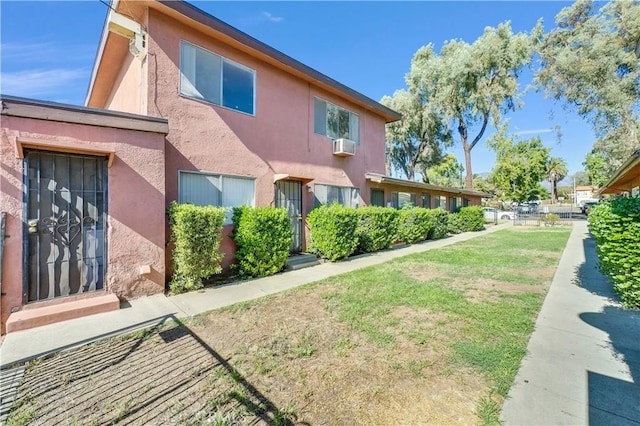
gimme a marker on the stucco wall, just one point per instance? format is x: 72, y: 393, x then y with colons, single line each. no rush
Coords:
x: 136, y: 203
x: 278, y: 139
x: 126, y: 94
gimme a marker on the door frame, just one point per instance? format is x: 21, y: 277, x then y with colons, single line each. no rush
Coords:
x: 108, y: 158
x: 301, y: 246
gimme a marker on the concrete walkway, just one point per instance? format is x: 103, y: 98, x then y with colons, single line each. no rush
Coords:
x: 147, y: 311
x: 583, y: 362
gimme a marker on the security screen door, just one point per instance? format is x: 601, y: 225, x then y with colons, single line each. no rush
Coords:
x: 289, y: 196
x: 65, y: 217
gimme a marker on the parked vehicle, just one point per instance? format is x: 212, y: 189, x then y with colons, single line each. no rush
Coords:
x: 587, y: 205
x: 491, y: 213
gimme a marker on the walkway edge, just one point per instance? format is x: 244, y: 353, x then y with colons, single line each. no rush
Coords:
x: 22, y: 346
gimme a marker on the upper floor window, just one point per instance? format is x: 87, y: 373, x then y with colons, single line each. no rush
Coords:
x: 212, y: 78
x: 204, y: 189
x: 335, y: 122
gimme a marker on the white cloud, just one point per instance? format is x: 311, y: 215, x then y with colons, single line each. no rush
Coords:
x: 271, y: 18
x: 45, y: 52
x: 42, y: 82
x: 534, y: 131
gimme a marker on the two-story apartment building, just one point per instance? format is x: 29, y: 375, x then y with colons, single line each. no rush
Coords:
x: 245, y: 124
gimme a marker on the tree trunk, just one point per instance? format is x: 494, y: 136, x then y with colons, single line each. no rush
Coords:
x: 468, y: 180
x: 553, y: 192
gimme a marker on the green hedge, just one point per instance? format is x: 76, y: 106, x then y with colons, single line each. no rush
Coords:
x: 415, y: 224
x: 455, y: 223
x: 472, y: 218
x: 438, y: 223
x: 196, y: 232
x: 333, y: 231
x: 263, y: 237
x: 616, y: 228
x: 377, y: 228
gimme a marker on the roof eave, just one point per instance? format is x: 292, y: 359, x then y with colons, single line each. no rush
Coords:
x: 633, y: 161
x: 380, y: 178
x: 288, y: 63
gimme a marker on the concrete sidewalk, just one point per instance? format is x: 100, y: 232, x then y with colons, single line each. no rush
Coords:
x: 28, y: 344
x: 583, y: 362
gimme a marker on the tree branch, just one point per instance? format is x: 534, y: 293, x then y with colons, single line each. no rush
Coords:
x: 485, y: 121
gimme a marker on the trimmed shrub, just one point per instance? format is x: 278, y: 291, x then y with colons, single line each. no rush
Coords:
x: 472, y: 218
x: 333, y: 231
x: 196, y: 232
x: 263, y: 237
x: 455, y: 223
x: 616, y: 228
x: 550, y: 219
x: 415, y: 224
x: 438, y: 223
x: 377, y: 228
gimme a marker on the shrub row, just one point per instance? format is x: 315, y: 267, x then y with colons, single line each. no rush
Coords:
x: 467, y: 219
x: 196, y: 232
x: 616, y: 228
x: 338, y: 232
x: 263, y: 237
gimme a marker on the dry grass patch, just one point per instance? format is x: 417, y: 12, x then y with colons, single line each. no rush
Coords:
x: 431, y: 338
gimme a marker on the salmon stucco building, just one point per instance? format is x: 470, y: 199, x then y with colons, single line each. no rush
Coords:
x: 211, y: 116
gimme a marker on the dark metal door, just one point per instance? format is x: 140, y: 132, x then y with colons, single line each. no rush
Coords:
x: 65, y: 216
x: 289, y: 196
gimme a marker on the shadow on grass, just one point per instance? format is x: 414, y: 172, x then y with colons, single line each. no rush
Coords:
x: 162, y: 374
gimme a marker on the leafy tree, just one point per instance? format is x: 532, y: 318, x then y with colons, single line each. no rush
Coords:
x: 484, y: 184
x: 556, y: 171
x: 596, y: 165
x: 581, y: 178
x: 520, y: 166
x: 447, y: 173
x: 471, y: 84
x: 416, y: 142
x: 590, y: 60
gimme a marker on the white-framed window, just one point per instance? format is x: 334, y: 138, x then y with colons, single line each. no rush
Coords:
x: 334, y: 121
x: 328, y: 194
x: 206, y: 189
x: 400, y: 199
x: 212, y: 78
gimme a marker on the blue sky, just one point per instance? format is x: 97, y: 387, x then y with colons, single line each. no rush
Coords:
x: 365, y: 45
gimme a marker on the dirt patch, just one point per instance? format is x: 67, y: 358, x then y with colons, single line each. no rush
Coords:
x: 424, y: 272
x: 285, y: 361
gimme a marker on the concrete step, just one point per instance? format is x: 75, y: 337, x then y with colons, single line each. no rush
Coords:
x: 39, y: 314
x: 302, y: 260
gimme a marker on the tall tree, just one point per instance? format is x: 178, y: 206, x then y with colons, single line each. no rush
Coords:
x: 447, y: 173
x: 470, y: 85
x: 596, y: 165
x: 581, y: 179
x: 591, y: 61
x: 416, y: 142
x: 519, y: 168
x: 556, y: 171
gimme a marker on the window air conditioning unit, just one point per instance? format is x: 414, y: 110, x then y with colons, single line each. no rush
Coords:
x: 344, y: 147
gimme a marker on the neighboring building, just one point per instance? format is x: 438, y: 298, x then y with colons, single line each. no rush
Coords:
x: 242, y: 124
x: 585, y: 193
x: 626, y: 180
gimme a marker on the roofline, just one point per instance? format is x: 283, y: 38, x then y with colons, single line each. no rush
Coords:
x: 54, y: 111
x: 285, y: 62
x: 113, y: 4
x: 192, y: 12
x: 380, y: 178
x: 633, y: 160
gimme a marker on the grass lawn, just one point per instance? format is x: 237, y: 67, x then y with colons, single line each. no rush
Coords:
x: 435, y: 337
